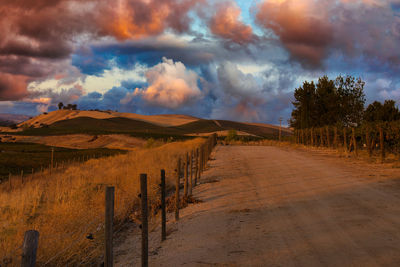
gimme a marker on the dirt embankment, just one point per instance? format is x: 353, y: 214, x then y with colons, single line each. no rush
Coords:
x: 275, y: 206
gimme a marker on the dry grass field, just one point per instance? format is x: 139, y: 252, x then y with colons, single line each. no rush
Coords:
x: 67, y: 207
x: 83, y: 141
x: 59, y: 115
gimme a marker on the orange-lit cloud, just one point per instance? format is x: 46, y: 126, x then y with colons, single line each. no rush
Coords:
x: 36, y: 35
x: 171, y: 85
x: 302, y: 26
x: 12, y: 87
x: 127, y: 19
x: 226, y: 24
x: 311, y: 30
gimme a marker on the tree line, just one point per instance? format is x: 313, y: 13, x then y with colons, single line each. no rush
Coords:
x: 339, y: 102
x: 67, y: 107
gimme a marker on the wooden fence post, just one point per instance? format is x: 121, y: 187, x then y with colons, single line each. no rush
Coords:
x: 315, y: 137
x: 298, y: 137
x: 145, y: 225
x: 203, y: 159
x: 335, y: 137
x: 321, y: 132
x: 191, y: 173
x: 368, y: 142
x: 328, y: 139
x: 51, y: 160
x: 354, y: 141
x: 205, y: 156
x: 109, y: 217
x: 29, y: 248
x: 197, y: 175
x: 163, y: 211
x: 306, y: 136
x: 186, y: 182
x: 312, y: 137
x: 345, y: 140
x: 382, y: 144
x: 177, y: 182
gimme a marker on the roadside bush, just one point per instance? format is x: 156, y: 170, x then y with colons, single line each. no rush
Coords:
x: 232, y: 135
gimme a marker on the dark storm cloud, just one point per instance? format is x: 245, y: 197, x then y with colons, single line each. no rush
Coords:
x: 39, y: 31
x: 312, y: 30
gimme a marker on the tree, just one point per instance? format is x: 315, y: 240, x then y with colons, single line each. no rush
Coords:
x: 351, y: 100
x: 303, y: 114
x: 378, y: 112
x: 71, y: 107
x: 326, y: 102
x: 60, y: 105
x: 329, y: 102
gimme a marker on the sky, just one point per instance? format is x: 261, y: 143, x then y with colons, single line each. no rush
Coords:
x: 235, y: 60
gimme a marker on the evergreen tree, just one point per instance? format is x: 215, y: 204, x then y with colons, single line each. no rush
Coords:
x: 329, y: 102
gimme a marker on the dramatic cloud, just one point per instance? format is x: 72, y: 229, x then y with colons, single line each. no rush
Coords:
x: 313, y: 29
x: 38, y: 34
x: 241, y: 94
x: 171, y: 85
x: 302, y: 26
x: 226, y: 24
x: 12, y: 87
x: 126, y: 19
x: 230, y: 59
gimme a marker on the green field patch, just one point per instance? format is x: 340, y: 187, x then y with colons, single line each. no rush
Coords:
x: 23, y: 157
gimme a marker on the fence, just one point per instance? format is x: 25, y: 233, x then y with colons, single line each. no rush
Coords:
x: 54, y: 166
x: 376, y: 139
x: 189, y: 168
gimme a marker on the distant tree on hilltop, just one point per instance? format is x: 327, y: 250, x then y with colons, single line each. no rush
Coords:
x: 71, y: 107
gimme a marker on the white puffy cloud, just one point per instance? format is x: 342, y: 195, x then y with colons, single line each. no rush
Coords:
x: 171, y: 85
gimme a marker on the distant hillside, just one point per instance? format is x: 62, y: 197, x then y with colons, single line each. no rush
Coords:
x: 61, y: 115
x: 9, y: 119
x: 65, y: 122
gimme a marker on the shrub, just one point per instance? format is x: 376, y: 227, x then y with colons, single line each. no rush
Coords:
x: 232, y: 135
x: 150, y: 143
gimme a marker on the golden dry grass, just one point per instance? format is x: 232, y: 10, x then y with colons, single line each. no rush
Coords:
x: 68, y: 205
x: 82, y: 141
x: 59, y: 115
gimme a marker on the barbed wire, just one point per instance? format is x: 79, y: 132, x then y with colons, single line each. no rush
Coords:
x: 73, y: 243
x: 82, y: 234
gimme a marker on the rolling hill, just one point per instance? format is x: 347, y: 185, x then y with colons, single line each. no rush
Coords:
x: 66, y: 122
x: 62, y: 115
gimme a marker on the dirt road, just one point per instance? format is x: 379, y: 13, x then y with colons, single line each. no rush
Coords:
x: 270, y: 206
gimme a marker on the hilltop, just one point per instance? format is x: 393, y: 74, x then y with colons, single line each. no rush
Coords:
x: 61, y: 115
x: 62, y: 122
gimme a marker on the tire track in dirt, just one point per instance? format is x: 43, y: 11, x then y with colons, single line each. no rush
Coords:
x: 275, y: 206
